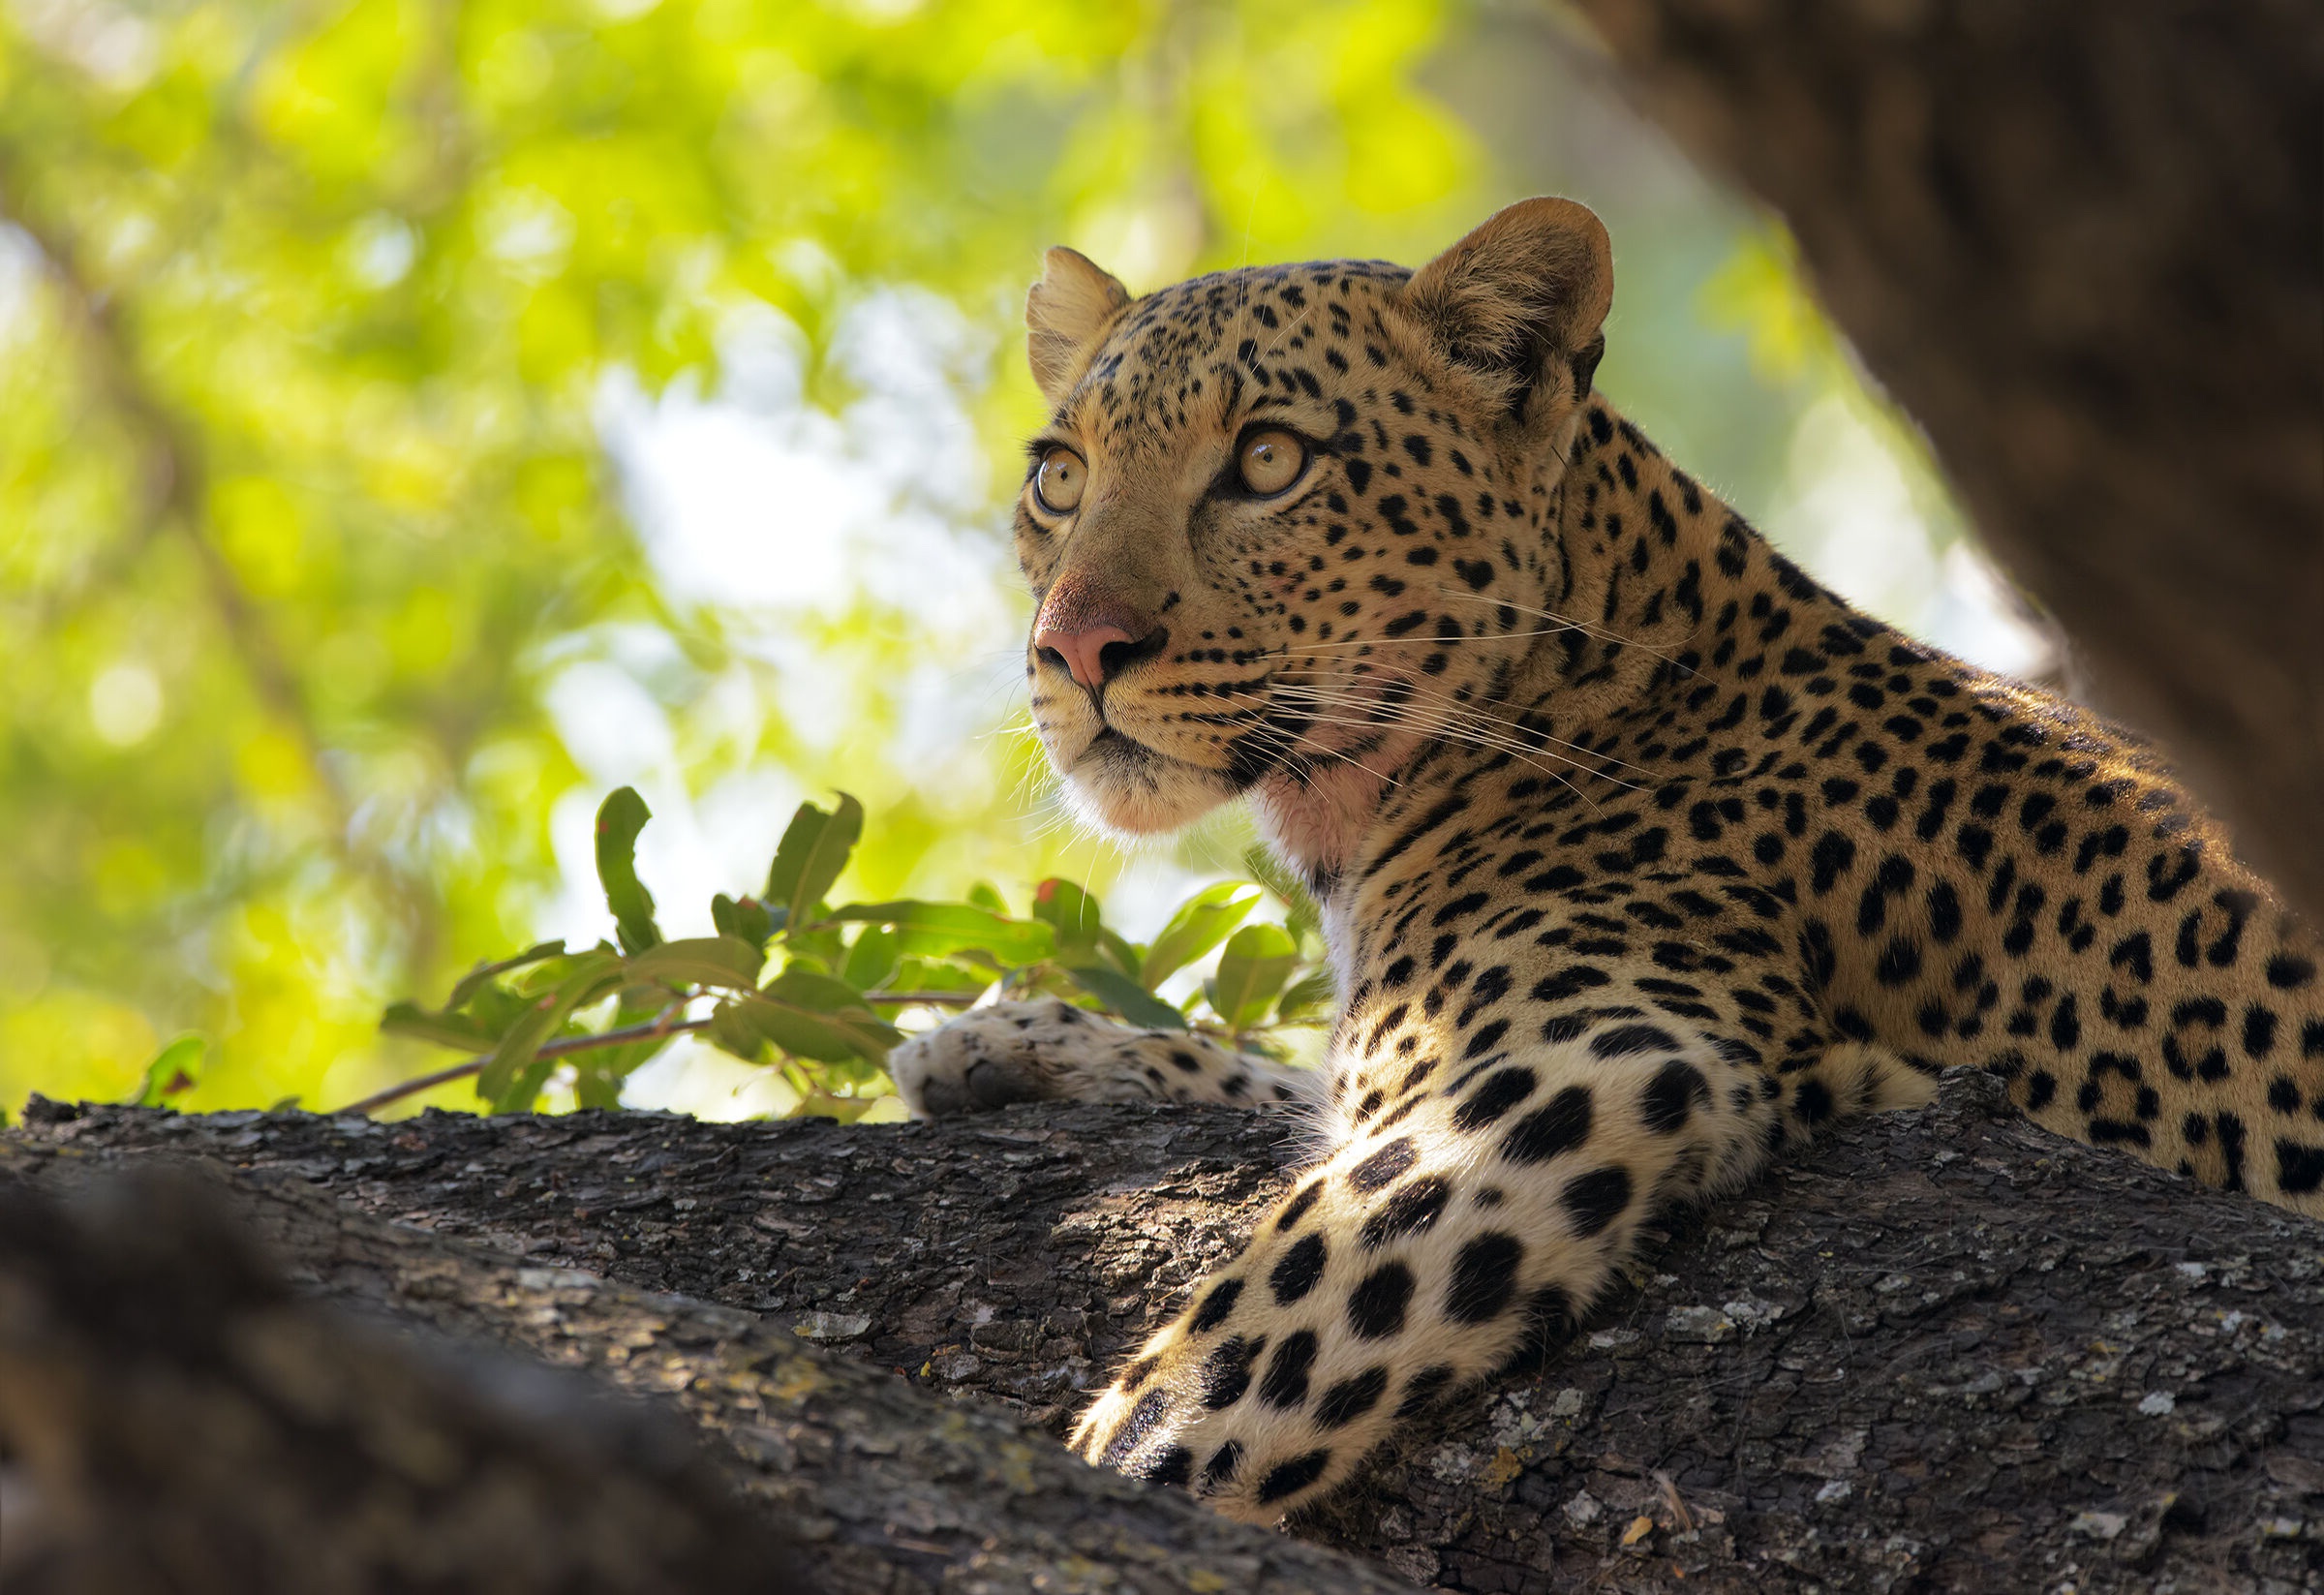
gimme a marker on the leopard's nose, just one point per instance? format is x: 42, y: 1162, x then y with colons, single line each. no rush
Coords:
x: 1090, y: 654
x: 1092, y: 633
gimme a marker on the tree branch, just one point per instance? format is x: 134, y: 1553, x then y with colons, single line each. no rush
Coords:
x: 1947, y: 1351
x: 884, y: 1489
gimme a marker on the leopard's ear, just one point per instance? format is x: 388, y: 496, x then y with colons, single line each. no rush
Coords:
x: 1517, y: 304
x: 1064, y: 314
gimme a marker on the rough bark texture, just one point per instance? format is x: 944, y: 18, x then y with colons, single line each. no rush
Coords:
x: 173, y: 1418
x: 2083, y: 245
x: 1944, y: 1352
x: 276, y: 1444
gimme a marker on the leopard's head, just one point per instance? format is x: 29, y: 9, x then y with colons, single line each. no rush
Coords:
x: 1286, y: 524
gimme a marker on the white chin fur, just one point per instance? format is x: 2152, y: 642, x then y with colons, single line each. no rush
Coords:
x: 1148, y: 797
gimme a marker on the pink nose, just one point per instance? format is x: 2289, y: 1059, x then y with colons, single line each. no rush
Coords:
x: 1083, y: 618
x: 1084, y: 652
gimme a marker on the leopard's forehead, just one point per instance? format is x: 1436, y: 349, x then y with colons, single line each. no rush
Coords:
x: 1204, y: 345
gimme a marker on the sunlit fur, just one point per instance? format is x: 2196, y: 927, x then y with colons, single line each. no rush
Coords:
x: 1642, y: 855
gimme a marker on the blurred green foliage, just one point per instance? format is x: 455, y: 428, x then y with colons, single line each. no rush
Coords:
x: 840, y: 975
x: 316, y: 322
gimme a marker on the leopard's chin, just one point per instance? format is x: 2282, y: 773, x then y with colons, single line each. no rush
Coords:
x: 1126, y: 787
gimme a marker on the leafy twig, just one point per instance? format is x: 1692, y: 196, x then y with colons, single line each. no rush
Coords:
x: 549, y: 1049
x: 622, y: 1037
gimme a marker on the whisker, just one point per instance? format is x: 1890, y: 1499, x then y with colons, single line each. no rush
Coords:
x: 1281, y: 732
x: 1434, y: 641
x: 1273, y: 685
x: 1488, y: 740
x: 1601, y: 633
x: 1289, y: 330
x: 1420, y: 691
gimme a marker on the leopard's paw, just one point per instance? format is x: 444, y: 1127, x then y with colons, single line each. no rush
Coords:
x: 1041, y: 1050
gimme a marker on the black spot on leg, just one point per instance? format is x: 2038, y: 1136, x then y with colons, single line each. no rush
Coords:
x: 1227, y: 1372
x: 1172, y: 1465
x: 1502, y: 1090
x: 1385, y: 1166
x: 1285, y: 1383
x: 1671, y: 1095
x: 1412, y: 1211
x: 2299, y: 1169
x: 1297, y: 1270
x: 1376, y: 1306
x: 1560, y: 1126
x: 1351, y: 1398
x: 1224, y: 1463
x: 1143, y: 1417
x: 1484, y: 1278
x: 1595, y: 1200
x: 1292, y: 1477
x: 2289, y: 971
x: 1811, y: 1102
x: 1627, y: 1040
x: 1297, y: 1208
x: 1217, y: 1305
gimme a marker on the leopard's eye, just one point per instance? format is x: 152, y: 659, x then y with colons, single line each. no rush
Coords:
x: 1057, y: 485
x: 1271, y: 461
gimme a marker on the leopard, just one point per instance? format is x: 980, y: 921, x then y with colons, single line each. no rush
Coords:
x: 1642, y: 858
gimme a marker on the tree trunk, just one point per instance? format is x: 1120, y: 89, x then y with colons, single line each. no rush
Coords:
x: 1944, y: 1352
x: 2083, y: 244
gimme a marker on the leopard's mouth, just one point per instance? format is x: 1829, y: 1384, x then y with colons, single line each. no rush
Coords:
x: 1119, y: 748
x: 1132, y: 787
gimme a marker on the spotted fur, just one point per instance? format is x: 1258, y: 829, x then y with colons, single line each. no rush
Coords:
x: 1642, y: 856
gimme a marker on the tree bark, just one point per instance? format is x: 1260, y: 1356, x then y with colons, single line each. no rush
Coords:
x: 2083, y: 245
x: 241, y: 1446
x: 172, y: 1417
x: 1944, y: 1352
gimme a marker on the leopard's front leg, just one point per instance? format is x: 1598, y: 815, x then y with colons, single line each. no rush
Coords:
x: 1477, y: 1198
x: 1050, y: 1051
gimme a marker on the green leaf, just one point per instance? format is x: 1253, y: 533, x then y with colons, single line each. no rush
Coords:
x: 1306, y: 998
x: 745, y: 920
x: 174, y: 1069
x: 804, y: 1035
x: 1201, y: 922
x: 813, y: 850
x: 595, y: 1088
x: 446, y: 1029
x: 502, y: 1082
x: 874, y: 957
x: 1126, y: 997
x: 810, y: 1015
x: 621, y: 816
x: 1122, y: 953
x: 984, y: 895
x: 937, y: 930
x: 701, y: 961
x: 1071, y: 912
x: 731, y: 1031
x: 925, y: 975
x: 475, y: 979
x: 1257, y: 961
x: 525, y: 1088
x: 811, y: 990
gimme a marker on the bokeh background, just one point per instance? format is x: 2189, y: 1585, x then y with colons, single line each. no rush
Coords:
x: 418, y: 417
